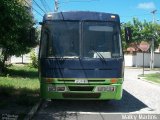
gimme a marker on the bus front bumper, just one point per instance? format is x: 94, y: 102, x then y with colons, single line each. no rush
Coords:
x: 81, y: 92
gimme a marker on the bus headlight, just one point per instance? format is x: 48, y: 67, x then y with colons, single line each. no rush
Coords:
x: 61, y: 88
x: 105, y: 88
x: 52, y: 88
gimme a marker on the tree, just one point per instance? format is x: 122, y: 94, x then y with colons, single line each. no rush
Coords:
x: 15, y: 25
x: 142, y: 31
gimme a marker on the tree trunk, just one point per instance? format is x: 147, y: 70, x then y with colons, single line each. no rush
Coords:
x: 4, y: 59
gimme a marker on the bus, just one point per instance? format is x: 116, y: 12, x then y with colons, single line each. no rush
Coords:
x: 80, y: 56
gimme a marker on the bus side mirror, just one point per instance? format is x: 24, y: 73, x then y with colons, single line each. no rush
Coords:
x: 128, y: 34
x: 41, y: 23
x: 32, y: 34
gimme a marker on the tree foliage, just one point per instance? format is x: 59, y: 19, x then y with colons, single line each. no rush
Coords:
x: 15, y: 24
x: 34, y: 59
x: 142, y: 31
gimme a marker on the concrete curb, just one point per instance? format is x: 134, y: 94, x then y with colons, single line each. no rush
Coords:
x: 34, y: 109
x: 142, y: 78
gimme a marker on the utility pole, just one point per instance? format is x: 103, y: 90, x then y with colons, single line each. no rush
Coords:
x: 152, y: 43
x: 56, y: 5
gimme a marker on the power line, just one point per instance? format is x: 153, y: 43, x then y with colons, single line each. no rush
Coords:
x: 33, y: 8
x: 47, y: 5
x: 38, y: 6
x: 56, y: 3
x: 43, y: 5
x: 37, y: 12
x: 68, y: 1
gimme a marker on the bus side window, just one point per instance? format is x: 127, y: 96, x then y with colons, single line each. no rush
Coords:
x: 43, y: 52
x: 115, y: 45
x: 49, y: 51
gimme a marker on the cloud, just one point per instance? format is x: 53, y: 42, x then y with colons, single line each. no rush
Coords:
x: 146, y: 6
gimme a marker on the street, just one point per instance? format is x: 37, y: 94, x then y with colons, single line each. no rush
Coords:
x: 138, y: 97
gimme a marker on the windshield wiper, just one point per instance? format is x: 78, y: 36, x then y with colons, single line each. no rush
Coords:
x: 100, y: 56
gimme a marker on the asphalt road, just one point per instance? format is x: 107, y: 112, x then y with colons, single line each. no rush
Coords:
x: 138, y: 97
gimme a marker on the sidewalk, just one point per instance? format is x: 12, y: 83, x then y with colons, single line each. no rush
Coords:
x: 138, y: 71
x: 133, y: 72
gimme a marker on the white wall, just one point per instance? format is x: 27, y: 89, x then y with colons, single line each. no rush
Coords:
x: 26, y: 59
x: 137, y: 60
x: 128, y: 60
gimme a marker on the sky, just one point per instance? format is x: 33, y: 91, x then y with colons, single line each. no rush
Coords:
x: 127, y: 9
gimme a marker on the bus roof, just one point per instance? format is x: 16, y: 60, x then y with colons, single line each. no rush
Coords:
x: 81, y: 16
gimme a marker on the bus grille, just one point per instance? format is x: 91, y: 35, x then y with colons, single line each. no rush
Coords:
x: 81, y: 95
x: 80, y: 88
x: 90, y: 81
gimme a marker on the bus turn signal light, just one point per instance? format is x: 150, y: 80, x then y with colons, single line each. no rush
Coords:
x: 48, y: 80
x: 114, y: 80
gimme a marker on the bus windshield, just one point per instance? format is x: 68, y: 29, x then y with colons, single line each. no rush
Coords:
x: 101, y: 39
x: 65, y: 39
x: 89, y: 39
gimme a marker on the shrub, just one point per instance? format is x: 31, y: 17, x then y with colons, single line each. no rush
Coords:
x: 34, y: 59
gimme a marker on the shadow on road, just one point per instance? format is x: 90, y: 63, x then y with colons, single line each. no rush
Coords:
x: 62, y: 108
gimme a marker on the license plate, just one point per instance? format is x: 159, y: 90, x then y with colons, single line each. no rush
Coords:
x: 106, y: 88
x: 81, y: 81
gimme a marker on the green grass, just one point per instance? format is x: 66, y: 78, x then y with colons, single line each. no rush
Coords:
x: 153, y: 77
x: 20, y: 77
x: 19, y: 87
